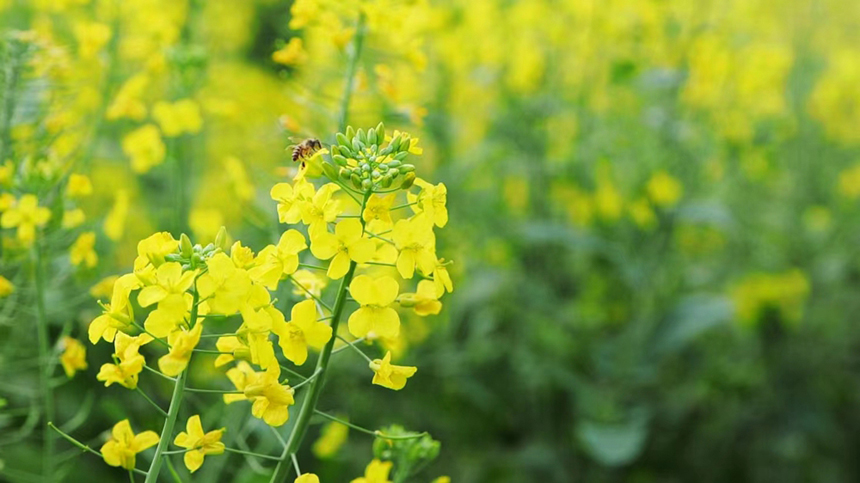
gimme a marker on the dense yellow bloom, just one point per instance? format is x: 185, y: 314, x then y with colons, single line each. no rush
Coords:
x: 128, y: 361
x: 347, y: 243
x: 82, y: 251
x: 391, y: 376
x: 279, y: 260
x: 271, y: 399
x: 289, y: 198
x: 91, y: 37
x: 198, y: 444
x: 425, y: 300
x: 117, y: 315
x: 169, y: 291
x: 301, y: 331
x: 293, y: 53
x: 79, y: 185
x: 432, y: 200
x: 27, y: 215
x: 307, y: 478
x: 223, y: 286
x: 374, y: 315
x: 332, y: 436
x: 6, y: 287
x: 74, y: 356
x: 321, y: 209
x: 664, y: 190
x: 182, y: 343
x: 129, y: 100
x: 180, y: 117
x: 123, y: 445
x: 415, y: 240
x: 145, y: 148
x: 376, y: 472
x: 377, y: 212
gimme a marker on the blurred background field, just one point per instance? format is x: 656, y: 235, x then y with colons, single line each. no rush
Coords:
x: 653, y: 204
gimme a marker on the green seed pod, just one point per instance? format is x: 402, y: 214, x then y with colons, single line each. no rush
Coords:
x: 393, y: 172
x: 330, y: 171
x: 365, y: 184
x: 371, y: 136
x: 185, y: 247
x: 340, y: 160
x: 408, y: 181
x: 344, y: 173
x: 401, y: 155
x: 386, y: 181
x: 342, y: 139
x: 407, y: 168
x: 380, y: 132
x: 350, y: 132
x: 395, y: 144
x: 356, y: 181
x: 394, y: 163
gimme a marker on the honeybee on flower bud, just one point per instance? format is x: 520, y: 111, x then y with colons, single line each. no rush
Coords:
x: 306, y: 149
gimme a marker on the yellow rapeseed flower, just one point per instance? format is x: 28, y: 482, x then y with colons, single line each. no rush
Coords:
x: 123, y: 445
x: 73, y: 218
x: 275, y: 261
x: 271, y: 399
x: 74, y: 356
x: 301, y: 331
x: 415, y: 240
x: 664, y: 190
x: 374, y: 314
x: 117, y: 315
x: 307, y: 478
x: 388, y: 375
x: 347, y: 243
x: 432, y: 200
x: 321, y: 209
x: 128, y: 361
x: 83, y: 250
x: 145, y: 148
x: 224, y: 286
x: 182, y: 343
x: 293, y: 53
x: 6, y: 287
x: 376, y: 472
x: 27, y: 215
x: 332, y: 436
x: 180, y: 117
x: 128, y: 102
x: 425, y: 300
x: 79, y: 185
x: 198, y: 444
x: 377, y: 212
x: 289, y: 198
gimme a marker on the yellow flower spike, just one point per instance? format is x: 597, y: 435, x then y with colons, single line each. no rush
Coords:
x: 129, y: 361
x: 275, y: 261
x: 180, y: 117
x: 271, y: 399
x: 301, y: 331
x: 391, y: 376
x: 309, y: 280
x: 307, y: 478
x: 431, y: 200
x: 415, y: 240
x: 289, y: 198
x: 376, y: 472
x: 82, y: 251
x: 374, y: 314
x: 425, y: 300
x: 74, y: 356
x: 79, y: 185
x: 144, y: 147
x: 198, y: 444
x: 117, y: 315
x: 7, y: 288
x: 321, y: 209
x: 664, y: 190
x: 26, y: 215
x: 377, y: 212
x: 236, y: 348
x: 224, y: 286
x: 182, y: 343
x: 241, y: 376
x: 347, y: 243
x: 123, y: 445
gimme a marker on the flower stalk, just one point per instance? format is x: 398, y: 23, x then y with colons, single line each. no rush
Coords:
x: 46, y: 364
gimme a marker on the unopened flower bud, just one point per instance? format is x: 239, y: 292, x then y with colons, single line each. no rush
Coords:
x: 344, y: 173
x: 185, y: 246
x: 408, y: 181
x: 362, y: 136
x: 330, y: 171
x: 340, y: 160
x: 380, y: 132
x: 342, y: 139
x: 371, y: 136
x: 356, y: 181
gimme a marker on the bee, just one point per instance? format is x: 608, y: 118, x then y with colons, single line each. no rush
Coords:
x: 306, y: 149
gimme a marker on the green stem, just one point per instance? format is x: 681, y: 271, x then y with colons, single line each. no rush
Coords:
x: 82, y: 445
x: 249, y: 453
x: 173, y: 411
x: 46, y: 366
x: 150, y: 401
x: 368, y: 359
x: 352, y: 67
x: 378, y: 434
x: 213, y: 391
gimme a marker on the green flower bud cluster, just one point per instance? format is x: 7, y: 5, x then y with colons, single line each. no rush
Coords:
x: 364, y: 159
x: 409, y: 454
x: 192, y: 256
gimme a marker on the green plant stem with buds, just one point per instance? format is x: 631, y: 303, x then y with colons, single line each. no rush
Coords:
x: 46, y: 365
x: 173, y: 411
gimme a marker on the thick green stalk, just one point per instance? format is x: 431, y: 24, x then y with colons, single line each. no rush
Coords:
x: 46, y: 365
x: 351, y: 69
x: 173, y: 411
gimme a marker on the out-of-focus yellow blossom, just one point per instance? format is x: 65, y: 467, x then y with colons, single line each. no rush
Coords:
x: 128, y: 102
x: 377, y: 212
x: 321, y: 209
x: 834, y: 99
x: 7, y: 288
x: 205, y: 222
x: 664, y: 190
x: 91, y: 37
x: 308, y: 284
x: 425, y: 300
x: 145, y: 148
x: 332, y: 437
x: 27, y: 215
x: 7, y: 170
x: 307, y: 478
x: 376, y: 472
x: 180, y: 117
x: 347, y: 243
x: 73, y: 218
x: 271, y: 399
x: 784, y: 293
x: 289, y: 198
x: 79, y: 186
x: 374, y: 314
x: 123, y: 445
x: 238, y: 176
x: 128, y: 361
x: 114, y: 225
x: 279, y: 260
x: 642, y: 213
x: 293, y: 53
x: 431, y: 200
x: 415, y: 240
x: 182, y: 343
x: 74, y: 356
x: 104, y: 287
x: 83, y: 250
x: 607, y: 199
x: 442, y: 479
x: 849, y: 182
x: 391, y: 376
x: 198, y: 444
x: 301, y: 331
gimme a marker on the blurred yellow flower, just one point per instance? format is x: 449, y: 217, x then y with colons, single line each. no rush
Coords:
x: 74, y: 356
x: 293, y: 53
x: 79, y: 185
x: 128, y: 102
x: 391, y: 376
x: 123, y: 445
x: 376, y: 472
x: 664, y: 190
x: 104, y: 287
x: 198, y: 444
x: 114, y: 224
x: 642, y: 213
x: 145, y: 148
x: 785, y: 293
x: 91, y: 37
x: 6, y: 287
x: 83, y: 250
x: 307, y: 478
x: 73, y: 218
x: 332, y: 437
x: 308, y: 284
x: 849, y: 182
x: 177, y: 118
x: 27, y: 215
